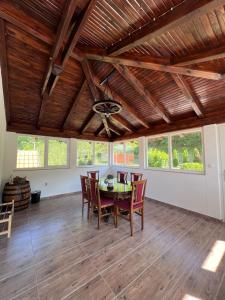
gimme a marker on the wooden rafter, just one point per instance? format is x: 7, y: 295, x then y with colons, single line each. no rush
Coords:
x: 44, y: 101
x: 123, y: 122
x: 176, y: 17
x: 200, y: 57
x: 138, y: 63
x: 57, y: 47
x: 4, y: 69
x: 87, y: 122
x: 74, y: 105
x: 100, y: 129
x: 94, y: 91
x: 122, y: 101
x: 189, y: 94
x: 114, y: 129
x: 142, y: 91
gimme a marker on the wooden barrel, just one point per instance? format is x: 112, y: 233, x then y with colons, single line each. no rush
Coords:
x: 20, y: 193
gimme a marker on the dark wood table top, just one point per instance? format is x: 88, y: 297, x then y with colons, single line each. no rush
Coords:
x: 117, y: 187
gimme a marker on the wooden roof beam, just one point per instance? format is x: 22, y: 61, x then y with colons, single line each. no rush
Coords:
x: 123, y: 122
x: 200, y: 57
x: 122, y: 101
x: 174, y: 18
x: 100, y: 129
x: 4, y: 70
x: 143, y: 92
x: 138, y: 63
x: 74, y: 105
x: 94, y: 91
x: 87, y: 122
x: 189, y: 94
x: 114, y: 129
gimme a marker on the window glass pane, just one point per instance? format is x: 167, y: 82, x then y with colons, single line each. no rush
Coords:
x: 158, y: 155
x: 84, y: 153
x: 118, y: 154
x: 57, y: 153
x: 187, y: 151
x: 30, y: 152
x: 101, y: 153
x: 132, y: 153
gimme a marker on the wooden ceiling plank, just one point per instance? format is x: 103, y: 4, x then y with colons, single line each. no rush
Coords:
x: 123, y: 122
x: 4, y: 70
x: 44, y: 100
x: 62, y: 30
x: 122, y: 101
x: 94, y: 91
x: 189, y: 94
x: 137, y: 63
x: 175, y: 17
x: 143, y: 92
x: 200, y: 57
x: 87, y: 122
x: 74, y: 105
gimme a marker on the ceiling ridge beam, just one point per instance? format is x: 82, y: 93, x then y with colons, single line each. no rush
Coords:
x: 75, y: 103
x: 189, y: 94
x: 143, y: 92
x: 144, y: 64
x: 175, y: 17
x: 121, y: 100
x: 4, y: 70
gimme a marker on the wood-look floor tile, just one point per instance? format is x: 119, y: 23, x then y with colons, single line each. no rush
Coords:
x: 161, y: 276
x: 67, y: 281
x: 96, y: 289
x: 31, y: 294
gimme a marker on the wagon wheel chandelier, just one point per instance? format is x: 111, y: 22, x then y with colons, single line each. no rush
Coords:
x: 107, y: 106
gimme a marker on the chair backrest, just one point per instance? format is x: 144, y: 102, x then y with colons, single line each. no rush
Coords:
x: 138, y: 191
x: 93, y: 174
x: 93, y: 191
x: 135, y: 177
x: 122, y: 177
x: 83, y: 180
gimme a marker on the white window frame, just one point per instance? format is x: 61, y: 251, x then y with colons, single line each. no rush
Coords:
x: 93, y: 151
x: 124, y: 152
x: 169, y: 135
x: 46, y: 166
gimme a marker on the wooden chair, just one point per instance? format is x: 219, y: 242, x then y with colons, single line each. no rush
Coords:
x: 122, y: 177
x: 93, y: 174
x: 85, y: 199
x: 135, y: 177
x: 6, y: 214
x: 97, y: 202
x: 133, y: 205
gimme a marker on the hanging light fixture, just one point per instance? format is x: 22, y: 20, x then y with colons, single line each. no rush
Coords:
x: 107, y: 106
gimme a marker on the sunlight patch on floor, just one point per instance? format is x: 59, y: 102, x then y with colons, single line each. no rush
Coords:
x: 189, y: 297
x: 215, y: 256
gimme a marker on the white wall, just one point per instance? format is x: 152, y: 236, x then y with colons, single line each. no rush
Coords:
x: 50, y: 182
x: 2, y: 132
x: 195, y: 192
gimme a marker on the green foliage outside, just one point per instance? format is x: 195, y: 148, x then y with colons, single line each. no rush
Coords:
x: 132, y: 153
x: 101, y: 154
x: 57, y: 153
x: 186, y: 152
x: 84, y: 153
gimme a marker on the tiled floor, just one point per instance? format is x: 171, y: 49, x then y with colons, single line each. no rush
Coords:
x: 54, y: 254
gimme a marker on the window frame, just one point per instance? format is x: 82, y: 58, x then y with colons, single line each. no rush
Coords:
x: 46, y: 166
x: 93, y: 150
x: 124, y: 152
x: 170, y: 168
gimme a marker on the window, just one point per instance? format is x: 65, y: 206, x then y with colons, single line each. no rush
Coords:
x: 157, y: 153
x: 85, y: 153
x: 118, y: 154
x: 101, y: 153
x: 126, y: 153
x: 187, y: 151
x: 57, y: 153
x: 132, y: 153
x: 179, y: 151
x: 30, y: 152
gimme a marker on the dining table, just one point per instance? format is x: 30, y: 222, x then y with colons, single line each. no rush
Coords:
x: 117, y: 190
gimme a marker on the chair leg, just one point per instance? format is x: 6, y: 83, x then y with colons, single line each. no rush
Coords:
x: 92, y: 211
x: 82, y: 206
x: 88, y: 211
x: 142, y: 218
x: 131, y: 223
x: 99, y: 216
x: 116, y: 216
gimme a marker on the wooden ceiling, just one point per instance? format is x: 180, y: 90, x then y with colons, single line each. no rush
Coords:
x: 163, y: 60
